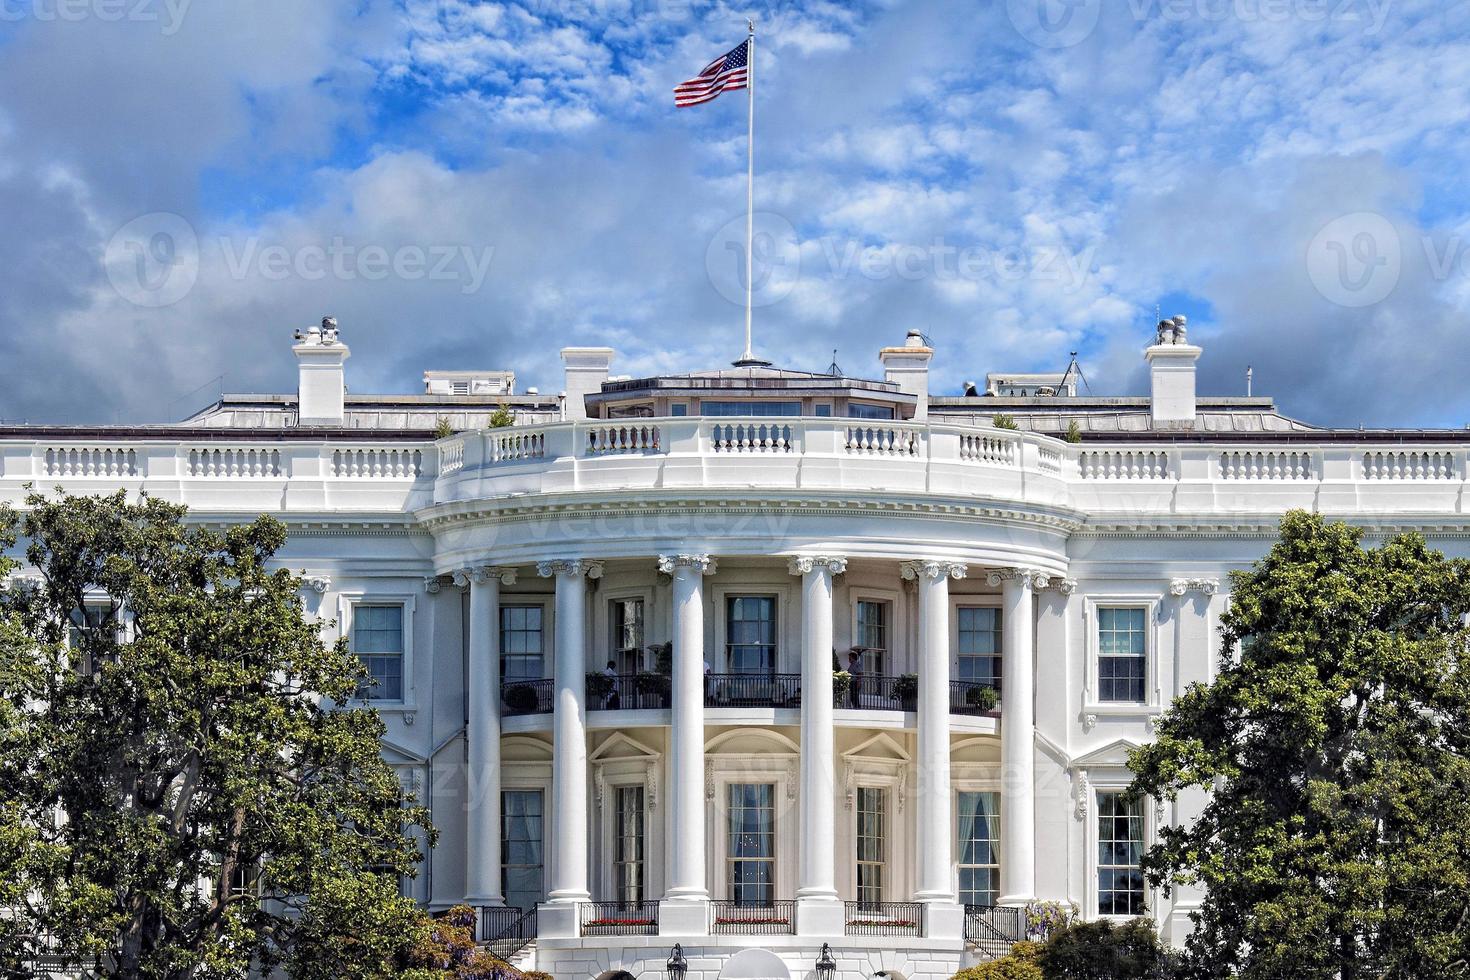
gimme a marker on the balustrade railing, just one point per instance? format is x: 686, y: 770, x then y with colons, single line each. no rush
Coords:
x: 618, y: 918
x: 92, y: 461
x: 235, y: 463
x: 1123, y: 464
x: 1410, y: 465
x: 882, y: 918
x: 1266, y: 465
x: 994, y: 929
x: 507, y: 930
x: 617, y: 438
x: 380, y: 464
x: 752, y: 437
x: 878, y: 439
x: 774, y: 918
x: 628, y: 691
x: 752, y: 690
x: 973, y: 697
x: 528, y: 697
x: 879, y: 692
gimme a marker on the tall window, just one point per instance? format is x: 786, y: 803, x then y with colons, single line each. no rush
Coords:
x: 627, y: 627
x: 872, y: 635
x: 979, y: 848
x: 979, y: 645
x: 751, y: 854
x: 1119, y: 852
x: 871, y: 840
x: 628, y: 845
x: 751, y: 629
x: 377, y: 639
x: 522, y: 639
x: 522, y: 826
x: 1122, y: 654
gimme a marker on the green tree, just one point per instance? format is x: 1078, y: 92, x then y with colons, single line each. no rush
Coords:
x: 1103, y: 951
x: 1336, y: 741
x: 501, y: 418
x: 215, y: 805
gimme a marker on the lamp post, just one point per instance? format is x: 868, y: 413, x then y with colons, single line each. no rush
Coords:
x: 826, y: 965
x: 677, y: 966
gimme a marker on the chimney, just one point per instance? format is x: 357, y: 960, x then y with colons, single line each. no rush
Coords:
x: 1171, y: 369
x: 320, y: 387
x: 908, y: 367
x: 587, y: 368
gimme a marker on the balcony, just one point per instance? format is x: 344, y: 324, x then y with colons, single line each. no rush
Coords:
x: 618, y: 918
x: 649, y: 691
x: 882, y: 918
x: 776, y: 918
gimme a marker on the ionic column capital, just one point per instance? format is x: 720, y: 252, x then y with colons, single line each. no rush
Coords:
x: 481, y: 574
x: 801, y: 564
x: 704, y: 564
x: 575, y: 567
x: 933, y: 570
x: 1204, y: 586
x: 1066, y: 586
x: 1030, y: 578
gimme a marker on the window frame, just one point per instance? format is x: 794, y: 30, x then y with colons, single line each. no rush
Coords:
x: 886, y: 830
x: 724, y: 643
x: 608, y: 628
x: 976, y: 601
x: 896, y: 627
x: 998, y: 852
x: 548, y: 834
x: 548, y: 639
x: 730, y: 859
x: 347, y: 603
x: 1099, y: 783
x: 1092, y: 703
x: 616, y: 861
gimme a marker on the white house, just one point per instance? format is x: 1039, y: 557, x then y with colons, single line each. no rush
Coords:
x: 511, y: 588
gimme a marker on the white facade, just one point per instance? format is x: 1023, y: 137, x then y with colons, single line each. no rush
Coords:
x: 485, y: 575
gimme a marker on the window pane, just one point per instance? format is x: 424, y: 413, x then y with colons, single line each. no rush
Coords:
x: 1122, y: 654
x: 521, y: 643
x: 750, y: 627
x: 1120, y: 886
x: 979, y: 848
x: 871, y: 842
x: 628, y: 845
x: 377, y: 639
x: 857, y: 410
x: 521, y: 840
x: 979, y: 645
x: 751, y: 408
x: 751, y: 849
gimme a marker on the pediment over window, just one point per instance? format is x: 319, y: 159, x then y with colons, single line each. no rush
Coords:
x: 751, y: 741
x: 397, y: 755
x: 880, y: 748
x: 621, y: 748
x: 1113, y: 754
x: 524, y: 748
x: 983, y: 750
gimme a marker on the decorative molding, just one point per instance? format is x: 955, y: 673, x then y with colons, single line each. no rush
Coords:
x: 933, y: 569
x: 1031, y: 578
x: 24, y: 583
x: 575, y: 567
x: 903, y: 786
x: 802, y: 564
x: 1204, y: 586
x: 317, y: 583
x: 599, y: 785
x: 651, y: 779
x: 1081, y: 790
x: 431, y: 584
x: 1089, y: 721
x: 704, y: 564
x: 709, y: 780
x: 1065, y: 586
x: 793, y: 779
x: 407, y: 717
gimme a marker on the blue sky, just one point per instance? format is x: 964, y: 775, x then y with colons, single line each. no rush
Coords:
x: 1015, y: 178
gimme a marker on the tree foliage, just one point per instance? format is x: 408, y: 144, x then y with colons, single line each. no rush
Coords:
x: 1336, y: 743
x: 1104, y: 951
x: 180, y: 794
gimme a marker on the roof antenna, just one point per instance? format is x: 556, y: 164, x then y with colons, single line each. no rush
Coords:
x: 1249, y: 374
x: 1075, y: 365
x: 832, y: 368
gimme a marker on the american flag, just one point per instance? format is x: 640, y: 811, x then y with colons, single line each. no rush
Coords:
x: 726, y: 73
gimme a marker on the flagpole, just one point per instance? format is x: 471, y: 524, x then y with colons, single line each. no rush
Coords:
x: 749, y: 354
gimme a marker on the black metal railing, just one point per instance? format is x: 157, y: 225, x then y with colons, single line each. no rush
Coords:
x: 628, y: 691
x: 993, y: 929
x: 882, y: 918
x: 973, y: 697
x: 752, y: 690
x: 519, y: 929
x: 776, y: 918
x: 618, y: 918
x: 526, y: 697
x: 879, y: 692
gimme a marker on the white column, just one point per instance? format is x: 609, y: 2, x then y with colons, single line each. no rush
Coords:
x: 819, y: 908
x: 936, y: 833
x: 1018, y: 732
x: 482, y: 825
x: 688, y: 890
x: 569, y: 727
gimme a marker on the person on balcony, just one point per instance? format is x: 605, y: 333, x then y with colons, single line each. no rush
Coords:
x: 614, y: 701
x: 855, y: 670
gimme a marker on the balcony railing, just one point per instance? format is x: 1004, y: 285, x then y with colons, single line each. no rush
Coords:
x: 632, y: 691
x: 777, y: 918
x: 882, y: 918
x: 879, y: 692
x: 526, y: 697
x: 506, y: 930
x: 993, y: 929
x: 618, y: 918
x: 973, y: 697
x: 752, y: 690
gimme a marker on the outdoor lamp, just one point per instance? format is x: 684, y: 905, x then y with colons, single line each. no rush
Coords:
x: 826, y: 965
x: 677, y: 965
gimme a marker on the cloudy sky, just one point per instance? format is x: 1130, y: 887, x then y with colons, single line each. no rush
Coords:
x: 465, y: 184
